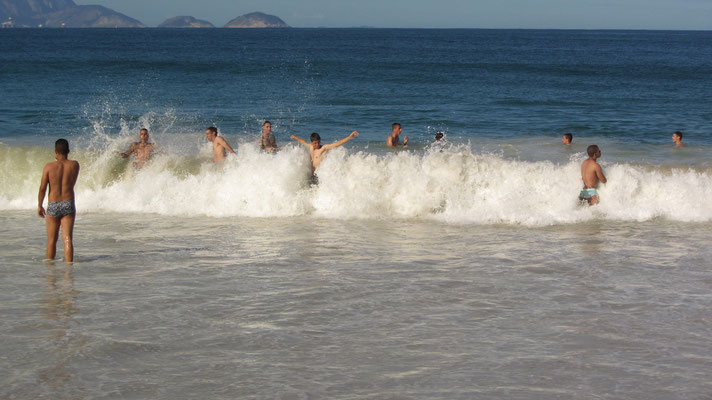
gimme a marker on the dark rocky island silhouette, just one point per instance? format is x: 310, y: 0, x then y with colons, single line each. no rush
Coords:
x: 66, y: 13
x: 257, y: 20
x: 185, y: 21
x: 62, y: 13
x: 90, y: 17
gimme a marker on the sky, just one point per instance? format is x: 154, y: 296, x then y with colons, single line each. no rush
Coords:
x: 534, y: 14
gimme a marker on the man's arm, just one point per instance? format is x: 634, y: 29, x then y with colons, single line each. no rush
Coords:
x: 389, y: 141
x: 405, y: 141
x: 340, y: 142
x: 43, y: 189
x: 128, y: 152
x: 224, y: 144
x: 599, y: 174
x: 300, y: 140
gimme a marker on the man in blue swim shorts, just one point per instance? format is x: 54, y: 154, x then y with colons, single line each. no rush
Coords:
x: 60, y: 175
x: 591, y: 174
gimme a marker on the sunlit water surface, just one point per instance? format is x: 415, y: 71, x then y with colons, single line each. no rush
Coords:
x: 183, y: 308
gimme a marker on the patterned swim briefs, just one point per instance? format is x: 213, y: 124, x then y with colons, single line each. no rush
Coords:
x: 60, y: 209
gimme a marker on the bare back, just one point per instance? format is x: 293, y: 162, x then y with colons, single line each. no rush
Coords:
x: 61, y: 176
x: 591, y: 173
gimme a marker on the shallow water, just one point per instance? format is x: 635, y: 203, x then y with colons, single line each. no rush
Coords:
x: 163, y: 307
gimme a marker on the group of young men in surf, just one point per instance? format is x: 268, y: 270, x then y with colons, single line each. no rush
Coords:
x: 61, y: 175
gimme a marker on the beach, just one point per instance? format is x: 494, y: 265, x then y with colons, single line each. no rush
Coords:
x: 462, y: 269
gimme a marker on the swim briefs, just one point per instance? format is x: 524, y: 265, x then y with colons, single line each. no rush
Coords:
x: 60, y: 209
x: 587, y: 193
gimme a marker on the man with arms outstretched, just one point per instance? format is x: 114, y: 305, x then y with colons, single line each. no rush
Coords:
x: 60, y: 175
x: 220, y: 145
x: 317, y: 150
x: 591, y: 174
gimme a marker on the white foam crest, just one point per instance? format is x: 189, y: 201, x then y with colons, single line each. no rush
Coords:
x: 251, y: 183
x: 451, y: 184
x: 640, y: 194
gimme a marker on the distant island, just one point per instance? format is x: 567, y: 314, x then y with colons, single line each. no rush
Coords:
x: 61, y: 14
x: 257, y: 20
x: 67, y: 14
x: 185, y: 22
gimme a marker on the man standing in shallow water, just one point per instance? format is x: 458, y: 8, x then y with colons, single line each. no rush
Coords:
x: 317, y: 151
x: 220, y: 145
x: 142, y: 150
x: 591, y: 174
x: 60, y: 175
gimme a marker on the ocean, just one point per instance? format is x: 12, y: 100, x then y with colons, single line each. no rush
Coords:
x: 461, y: 269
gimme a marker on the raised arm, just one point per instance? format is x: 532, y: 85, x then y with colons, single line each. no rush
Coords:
x: 300, y: 140
x: 43, y: 189
x: 341, y: 142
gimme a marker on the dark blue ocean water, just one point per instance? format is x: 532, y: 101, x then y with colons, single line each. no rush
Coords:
x: 471, y: 83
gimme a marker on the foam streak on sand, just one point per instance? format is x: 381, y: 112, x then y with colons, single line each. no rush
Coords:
x: 455, y: 185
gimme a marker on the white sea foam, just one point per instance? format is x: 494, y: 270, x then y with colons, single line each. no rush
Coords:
x: 452, y: 185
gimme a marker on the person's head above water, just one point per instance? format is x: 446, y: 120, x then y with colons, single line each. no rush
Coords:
x: 143, y: 134
x: 396, y: 128
x: 567, y: 138
x: 677, y: 138
x: 266, y: 127
x: 593, y: 150
x: 61, y: 146
x: 315, y: 138
x: 439, y: 135
x: 211, y: 133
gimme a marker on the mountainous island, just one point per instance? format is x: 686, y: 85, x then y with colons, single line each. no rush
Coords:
x: 184, y: 21
x: 67, y: 14
x: 61, y: 13
x: 257, y: 20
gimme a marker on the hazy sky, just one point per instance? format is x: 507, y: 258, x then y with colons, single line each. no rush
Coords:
x: 573, y: 14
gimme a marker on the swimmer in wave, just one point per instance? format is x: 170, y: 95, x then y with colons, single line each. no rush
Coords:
x: 591, y: 174
x: 317, y: 150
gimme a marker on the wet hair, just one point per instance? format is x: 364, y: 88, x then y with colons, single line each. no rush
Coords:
x: 61, y: 146
x: 143, y: 129
x: 569, y: 136
x: 314, y: 137
x: 592, y: 150
x: 439, y: 135
x: 266, y: 122
x: 213, y: 130
x: 678, y: 133
x: 393, y: 126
